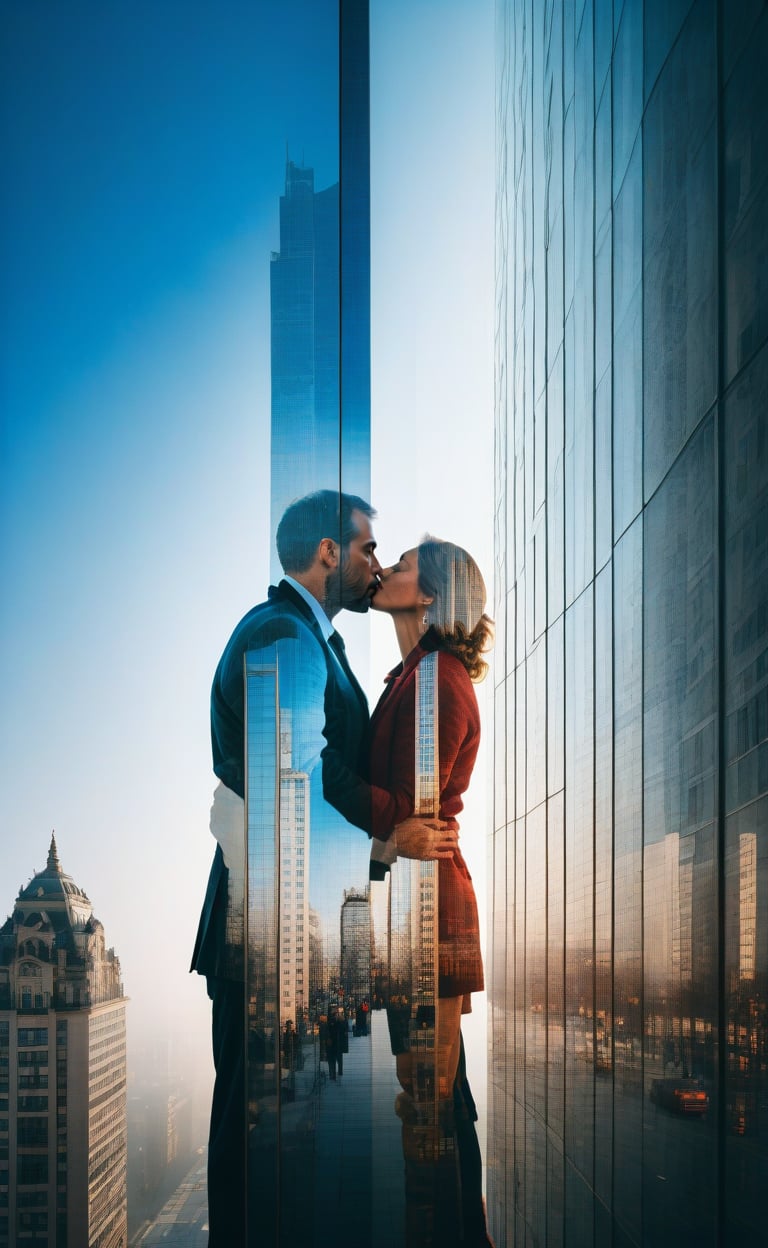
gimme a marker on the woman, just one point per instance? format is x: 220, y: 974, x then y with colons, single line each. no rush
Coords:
x: 436, y: 597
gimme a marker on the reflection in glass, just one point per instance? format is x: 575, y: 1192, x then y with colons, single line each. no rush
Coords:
x: 745, y: 1091
x: 680, y: 256
x: 604, y: 893
x: 285, y: 927
x: 413, y: 1011
x: 306, y: 330
x: 264, y: 1067
x: 679, y: 858
x: 579, y: 894
x: 652, y: 1127
x: 308, y: 959
x: 304, y: 342
x: 355, y: 1098
x: 627, y: 873
x: 316, y: 965
x: 423, y: 745
x: 320, y: 286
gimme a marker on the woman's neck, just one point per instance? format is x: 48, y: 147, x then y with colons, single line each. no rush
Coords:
x: 408, y: 630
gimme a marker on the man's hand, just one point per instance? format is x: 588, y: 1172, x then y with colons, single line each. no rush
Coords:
x: 428, y: 838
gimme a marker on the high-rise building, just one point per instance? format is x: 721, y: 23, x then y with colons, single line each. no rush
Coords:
x: 304, y: 295
x: 301, y: 853
x: 294, y: 884
x: 63, y: 1149
x: 355, y: 945
x: 629, y: 959
x: 318, y: 440
x: 320, y: 283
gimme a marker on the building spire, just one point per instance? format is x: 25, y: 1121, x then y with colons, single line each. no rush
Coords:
x: 53, y: 856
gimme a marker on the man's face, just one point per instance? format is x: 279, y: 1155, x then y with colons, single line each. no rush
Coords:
x: 356, y: 584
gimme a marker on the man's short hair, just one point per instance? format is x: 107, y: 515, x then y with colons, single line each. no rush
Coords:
x: 326, y: 513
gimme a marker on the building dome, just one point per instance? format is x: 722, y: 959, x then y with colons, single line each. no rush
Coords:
x: 52, y: 885
x: 53, y: 929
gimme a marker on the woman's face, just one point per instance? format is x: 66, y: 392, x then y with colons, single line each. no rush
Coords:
x: 399, y: 586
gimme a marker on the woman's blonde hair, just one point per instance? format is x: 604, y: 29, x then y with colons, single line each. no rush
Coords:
x: 452, y: 579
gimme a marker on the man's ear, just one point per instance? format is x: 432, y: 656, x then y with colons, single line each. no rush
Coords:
x: 328, y: 553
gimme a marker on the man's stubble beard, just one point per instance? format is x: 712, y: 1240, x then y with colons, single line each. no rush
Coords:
x: 337, y: 597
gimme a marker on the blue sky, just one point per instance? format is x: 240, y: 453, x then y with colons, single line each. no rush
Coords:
x: 144, y: 151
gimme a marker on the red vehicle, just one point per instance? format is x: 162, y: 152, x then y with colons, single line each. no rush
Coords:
x: 682, y: 1096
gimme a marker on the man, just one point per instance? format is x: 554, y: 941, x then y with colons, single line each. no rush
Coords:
x: 336, y: 1042
x: 327, y: 550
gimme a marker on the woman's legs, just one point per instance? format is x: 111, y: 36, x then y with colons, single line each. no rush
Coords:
x: 432, y: 1178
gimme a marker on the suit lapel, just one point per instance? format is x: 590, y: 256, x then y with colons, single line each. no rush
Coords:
x: 286, y: 591
x: 341, y: 655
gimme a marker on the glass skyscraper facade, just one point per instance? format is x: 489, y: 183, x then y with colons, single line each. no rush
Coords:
x: 307, y: 915
x: 320, y: 353
x: 628, y: 1092
x: 304, y: 321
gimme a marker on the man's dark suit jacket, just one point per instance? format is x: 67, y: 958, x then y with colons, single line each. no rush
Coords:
x: 285, y: 615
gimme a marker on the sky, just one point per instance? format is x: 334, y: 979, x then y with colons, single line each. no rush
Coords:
x: 144, y: 155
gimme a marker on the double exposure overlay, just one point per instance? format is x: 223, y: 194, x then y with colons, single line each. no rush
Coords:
x: 185, y: 350
x: 339, y: 953
x: 356, y: 1097
x: 628, y: 1079
x: 308, y: 931
x: 341, y: 989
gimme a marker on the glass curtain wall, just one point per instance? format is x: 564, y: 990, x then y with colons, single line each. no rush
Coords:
x: 320, y: 366
x: 628, y: 1073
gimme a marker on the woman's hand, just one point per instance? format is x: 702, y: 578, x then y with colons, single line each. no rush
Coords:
x: 425, y: 838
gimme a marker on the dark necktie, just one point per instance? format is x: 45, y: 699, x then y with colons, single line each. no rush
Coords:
x: 336, y: 642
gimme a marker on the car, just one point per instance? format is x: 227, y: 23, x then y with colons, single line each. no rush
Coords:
x: 681, y: 1096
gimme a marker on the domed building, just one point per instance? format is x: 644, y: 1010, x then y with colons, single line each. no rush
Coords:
x: 62, y: 1071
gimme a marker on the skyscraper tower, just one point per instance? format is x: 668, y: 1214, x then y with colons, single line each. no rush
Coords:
x: 320, y: 344
x: 62, y: 1072
x: 304, y: 291
x: 355, y: 945
x: 294, y: 883
x: 628, y: 959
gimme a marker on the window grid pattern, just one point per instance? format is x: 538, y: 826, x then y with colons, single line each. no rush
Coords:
x: 629, y: 957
